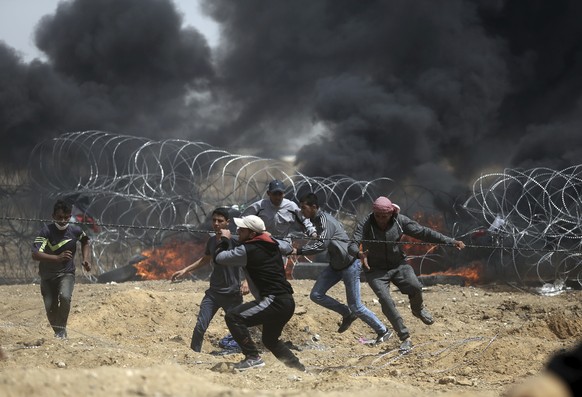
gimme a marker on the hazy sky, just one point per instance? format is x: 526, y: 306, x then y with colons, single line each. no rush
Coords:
x: 19, y: 17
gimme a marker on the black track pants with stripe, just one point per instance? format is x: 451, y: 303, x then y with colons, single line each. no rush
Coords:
x: 273, y: 312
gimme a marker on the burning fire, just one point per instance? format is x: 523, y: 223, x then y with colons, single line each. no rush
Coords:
x: 472, y: 273
x: 161, y: 262
x: 435, y: 222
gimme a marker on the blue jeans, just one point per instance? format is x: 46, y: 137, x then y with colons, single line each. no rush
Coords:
x: 351, y: 278
x: 57, y: 293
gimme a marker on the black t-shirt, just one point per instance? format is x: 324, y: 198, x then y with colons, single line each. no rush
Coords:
x: 224, y: 279
x: 51, y: 240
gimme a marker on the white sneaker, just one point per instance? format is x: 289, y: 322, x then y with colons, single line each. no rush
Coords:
x: 248, y: 363
x: 383, y: 337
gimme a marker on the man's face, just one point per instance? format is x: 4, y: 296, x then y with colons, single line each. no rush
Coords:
x: 276, y: 198
x: 382, y: 218
x: 61, y: 217
x: 219, y: 222
x: 244, y: 234
x: 308, y: 211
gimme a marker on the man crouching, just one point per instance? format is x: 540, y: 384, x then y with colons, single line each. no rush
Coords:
x: 261, y: 256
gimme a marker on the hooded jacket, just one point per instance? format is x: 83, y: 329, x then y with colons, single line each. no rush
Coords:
x: 262, y: 260
x: 382, y: 247
x: 331, y: 237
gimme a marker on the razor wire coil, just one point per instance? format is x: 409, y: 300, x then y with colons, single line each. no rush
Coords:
x: 129, y: 183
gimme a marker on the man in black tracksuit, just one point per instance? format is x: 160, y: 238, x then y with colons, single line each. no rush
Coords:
x: 376, y: 244
x: 273, y: 307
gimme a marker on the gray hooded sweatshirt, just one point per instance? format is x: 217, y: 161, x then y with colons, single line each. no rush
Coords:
x: 382, y: 247
x: 331, y: 237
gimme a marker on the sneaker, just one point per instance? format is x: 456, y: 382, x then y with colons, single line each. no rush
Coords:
x: 62, y: 334
x: 383, y: 337
x: 425, y: 316
x: 346, y: 322
x: 405, y: 346
x: 249, y: 362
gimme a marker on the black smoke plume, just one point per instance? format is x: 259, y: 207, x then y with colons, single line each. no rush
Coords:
x: 427, y: 92
x: 124, y: 66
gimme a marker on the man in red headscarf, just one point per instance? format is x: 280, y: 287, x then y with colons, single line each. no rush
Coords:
x: 384, y: 261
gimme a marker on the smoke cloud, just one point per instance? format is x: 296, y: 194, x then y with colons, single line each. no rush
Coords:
x: 124, y: 66
x: 426, y: 92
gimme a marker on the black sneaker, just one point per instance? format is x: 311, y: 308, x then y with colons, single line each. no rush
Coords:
x: 346, y: 322
x: 424, y: 316
x: 383, y: 337
x: 62, y: 334
x: 249, y: 362
x: 405, y: 346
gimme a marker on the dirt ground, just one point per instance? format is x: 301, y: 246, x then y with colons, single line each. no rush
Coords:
x: 133, y: 339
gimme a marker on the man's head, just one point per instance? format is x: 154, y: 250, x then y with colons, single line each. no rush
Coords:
x: 383, y: 210
x: 309, y: 205
x: 220, y: 217
x: 62, y: 214
x: 276, y: 192
x: 249, y: 226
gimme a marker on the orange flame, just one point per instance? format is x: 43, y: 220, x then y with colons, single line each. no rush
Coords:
x: 162, y: 262
x: 472, y: 273
x: 433, y: 221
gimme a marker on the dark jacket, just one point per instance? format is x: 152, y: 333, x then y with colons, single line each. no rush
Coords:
x: 331, y: 237
x: 263, y: 262
x: 383, y: 253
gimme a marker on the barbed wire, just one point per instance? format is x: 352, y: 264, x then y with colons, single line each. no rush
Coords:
x: 125, y: 184
x: 193, y: 229
x: 532, y: 210
x: 519, y: 223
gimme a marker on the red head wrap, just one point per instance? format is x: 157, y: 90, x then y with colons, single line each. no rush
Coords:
x: 383, y: 204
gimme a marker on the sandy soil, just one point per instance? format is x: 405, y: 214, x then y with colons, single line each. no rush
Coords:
x: 133, y: 339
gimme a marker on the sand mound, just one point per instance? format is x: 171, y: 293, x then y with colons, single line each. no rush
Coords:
x: 133, y: 339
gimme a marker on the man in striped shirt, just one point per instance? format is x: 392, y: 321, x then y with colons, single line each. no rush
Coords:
x: 342, y: 267
x: 54, y: 248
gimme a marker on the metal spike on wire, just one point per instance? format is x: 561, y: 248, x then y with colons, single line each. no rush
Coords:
x: 139, y: 189
x: 536, y: 213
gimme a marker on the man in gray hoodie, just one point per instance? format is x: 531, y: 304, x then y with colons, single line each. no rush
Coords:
x: 376, y: 244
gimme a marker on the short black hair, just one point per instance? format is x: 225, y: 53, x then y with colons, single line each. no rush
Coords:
x: 310, y: 199
x: 63, y: 206
x: 222, y: 211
